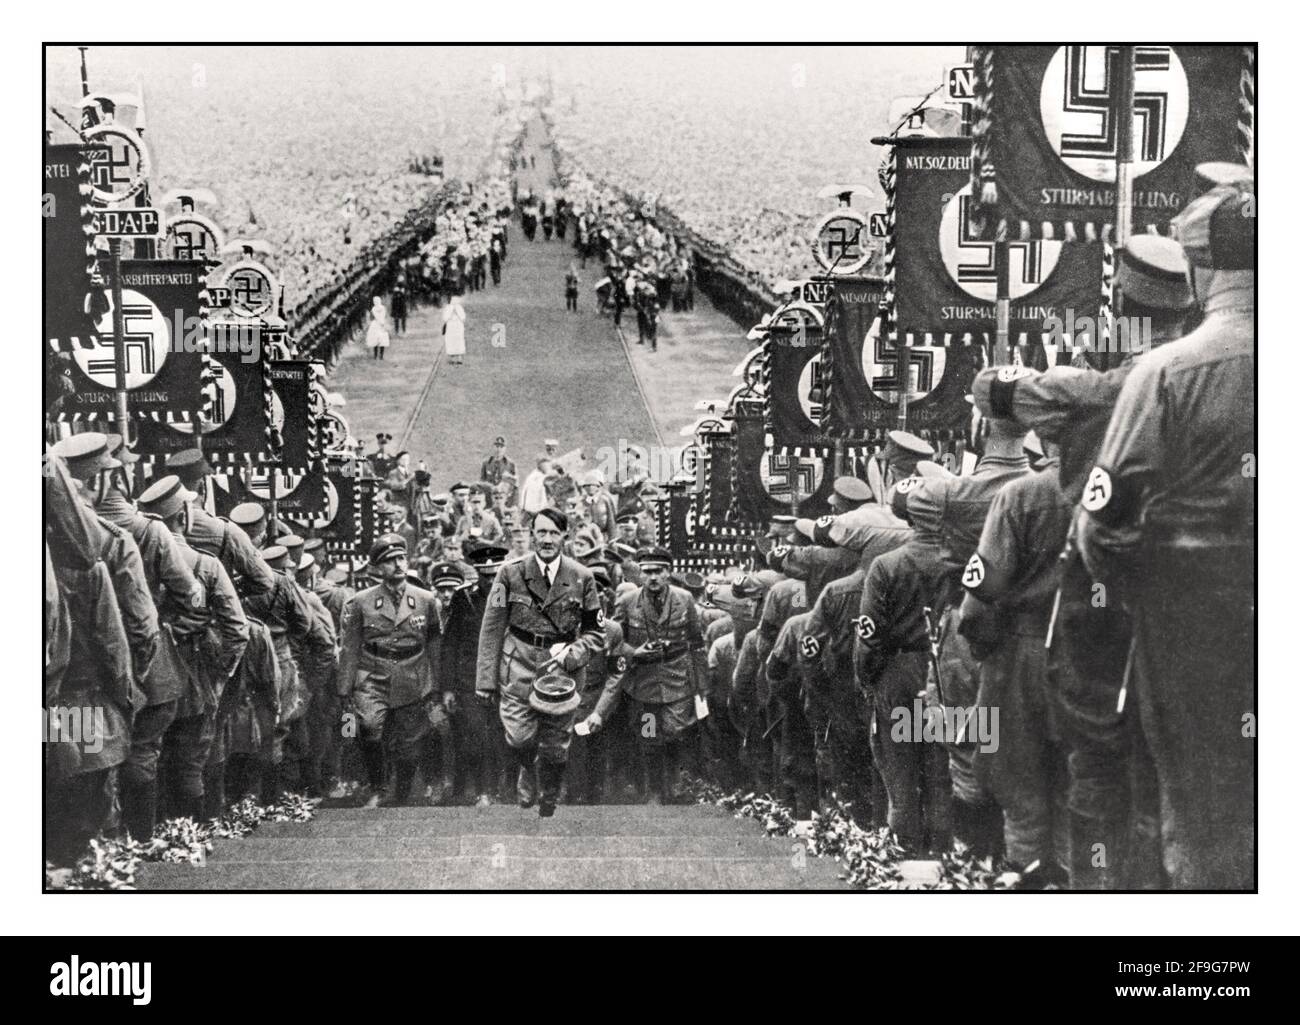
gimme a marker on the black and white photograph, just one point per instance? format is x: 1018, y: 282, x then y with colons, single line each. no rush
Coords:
x: 634, y: 468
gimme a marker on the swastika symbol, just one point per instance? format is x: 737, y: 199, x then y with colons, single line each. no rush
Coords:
x: 1097, y: 492
x: 973, y: 575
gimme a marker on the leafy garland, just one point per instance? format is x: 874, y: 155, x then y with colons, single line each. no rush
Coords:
x: 870, y: 857
x: 111, y: 864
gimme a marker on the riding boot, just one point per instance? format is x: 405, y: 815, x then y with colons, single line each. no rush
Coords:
x: 140, y: 808
x: 403, y: 777
x: 549, y: 777
x: 526, y: 779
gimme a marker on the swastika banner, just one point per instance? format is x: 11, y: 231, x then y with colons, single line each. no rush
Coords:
x: 162, y: 303
x: 238, y: 427
x: 865, y: 380
x: 768, y: 483
x: 795, y: 387
x: 945, y: 277
x: 1046, y: 132
x: 69, y: 245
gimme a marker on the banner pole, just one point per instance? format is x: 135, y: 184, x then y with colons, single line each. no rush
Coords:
x: 1002, y: 265
x: 119, y: 337
x: 1124, y: 150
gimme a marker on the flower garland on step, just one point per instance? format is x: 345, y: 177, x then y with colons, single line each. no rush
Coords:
x: 870, y: 857
x: 111, y: 864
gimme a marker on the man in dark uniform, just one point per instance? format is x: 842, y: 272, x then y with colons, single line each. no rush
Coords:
x: 892, y: 658
x: 473, y: 725
x: 498, y: 464
x: 959, y: 505
x: 208, y: 644
x: 1168, y: 526
x: 381, y: 460
x: 792, y: 664
x: 668, y: 670
x: 1010, y: 582
x: 1114, y: 828
x: 387, y: 667
x: 543, y: 612
x: 836, y: 711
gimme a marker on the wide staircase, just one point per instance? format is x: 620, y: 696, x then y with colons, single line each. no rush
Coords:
x: 592, y: 847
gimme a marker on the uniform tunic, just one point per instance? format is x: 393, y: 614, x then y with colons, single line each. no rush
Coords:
x: 1010, y: 582
x: 892, y: 656
x: 524, y: 618
x: 663, y: 685
x: 1169, y: 520
x: 387, y: 661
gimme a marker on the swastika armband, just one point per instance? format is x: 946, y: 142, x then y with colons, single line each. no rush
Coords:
x: 1106, y: 498
x: 809, y: 647
x: 982, y: 579
x: 822, y: 531
x: 592, y: 619
x: 865, y: 628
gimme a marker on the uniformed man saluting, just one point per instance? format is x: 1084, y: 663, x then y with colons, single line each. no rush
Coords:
x: 386, y: 667
x: 543, y: 613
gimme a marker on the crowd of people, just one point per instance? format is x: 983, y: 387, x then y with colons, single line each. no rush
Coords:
x: 1047, y: 659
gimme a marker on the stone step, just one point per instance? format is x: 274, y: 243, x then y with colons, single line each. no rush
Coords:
x: 522, y: 822
x: 523, y: 873
x: 511, y: 811
x: 477, y: 845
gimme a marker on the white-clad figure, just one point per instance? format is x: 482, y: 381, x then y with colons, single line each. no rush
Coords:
x: 453, y: 330
x: 377, y: 337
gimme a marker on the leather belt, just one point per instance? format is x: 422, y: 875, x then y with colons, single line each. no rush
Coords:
x: 541, y: 640
x: 392, y: 653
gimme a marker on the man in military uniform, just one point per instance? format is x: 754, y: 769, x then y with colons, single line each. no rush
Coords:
x: 746, y: 702
x: 792, y: 664
x: 836, y: 712
x: 598, y: 504
x: 90, y: 462
x: 1168, y: 527
x: 857, y: 522
x: 478, y: 522
x: 381, y: 460
x: 543, y: 612
x: 668, y: 669
x: 1010, y: 583
x: 470, y: 723
x: 208, y: 644
x: 387, y: 668
x: 892, y: 659
x: 498, y: 464
x: 589, y: 759
x: 213, y: 535
x: 959, y: 505
x: 1070, y: 407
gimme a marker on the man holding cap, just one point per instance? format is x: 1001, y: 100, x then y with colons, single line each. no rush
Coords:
x: 387, y: 668
x: 668, y: 669
x: 1168, y: 528
x: 543, y: 613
